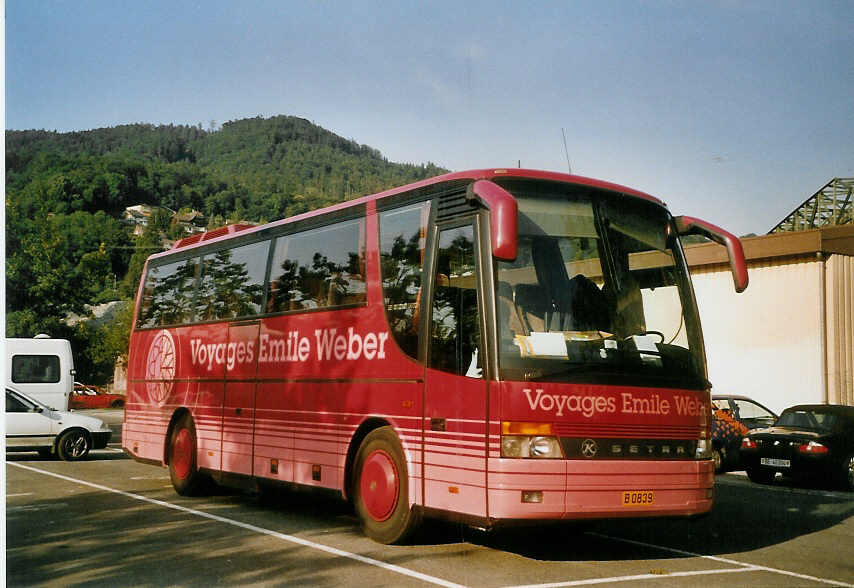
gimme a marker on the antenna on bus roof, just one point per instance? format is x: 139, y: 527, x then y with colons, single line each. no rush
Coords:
x: 565, y: 150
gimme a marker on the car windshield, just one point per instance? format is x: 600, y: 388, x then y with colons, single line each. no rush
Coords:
x: 27, y: 400
x: 599, y: 290
x: 812, y: 420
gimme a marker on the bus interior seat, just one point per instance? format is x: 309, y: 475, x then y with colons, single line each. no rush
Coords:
x: 534, y: 307
x: 626, y: 307
x: 511, y: 322
x: 585, y: 306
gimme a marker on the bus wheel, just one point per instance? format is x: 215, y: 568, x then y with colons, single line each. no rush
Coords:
x: 381, y: 488
x: 183, y: 469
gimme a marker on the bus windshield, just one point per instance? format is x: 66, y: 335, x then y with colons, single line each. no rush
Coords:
x: 598, y: 293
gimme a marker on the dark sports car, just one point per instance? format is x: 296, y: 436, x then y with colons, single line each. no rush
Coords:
x: 808, y: 442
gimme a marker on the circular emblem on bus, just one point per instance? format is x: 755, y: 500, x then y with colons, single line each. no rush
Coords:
x: 160, y: 367
x: 589, y: 448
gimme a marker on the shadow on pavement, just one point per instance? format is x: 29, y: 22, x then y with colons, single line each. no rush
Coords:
x: 94, y: 455
x: 90, y: 538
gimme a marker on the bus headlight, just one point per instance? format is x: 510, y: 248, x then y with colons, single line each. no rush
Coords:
x: 545, y: 447
x: 529, y: 440
x: 525, y: 446
x: 512, y: 446
x: 704, y: 449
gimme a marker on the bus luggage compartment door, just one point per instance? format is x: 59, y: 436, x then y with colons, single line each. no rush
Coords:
x: 238, y: 415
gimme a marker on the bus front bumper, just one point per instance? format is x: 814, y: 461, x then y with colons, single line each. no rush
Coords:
x: 574, y: 489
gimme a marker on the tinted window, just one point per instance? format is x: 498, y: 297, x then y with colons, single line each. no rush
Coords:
x: 403, y: 233
x: 35, y: 369
x: 232, y: 282
x: 809, y: 419
x: 167, y: 296
x: 320, y: 268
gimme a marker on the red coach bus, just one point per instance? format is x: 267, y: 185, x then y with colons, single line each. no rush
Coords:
x: 492, y: 346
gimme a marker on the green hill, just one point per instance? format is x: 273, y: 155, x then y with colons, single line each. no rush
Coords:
x: 67, y: 247
x: 262, y: 169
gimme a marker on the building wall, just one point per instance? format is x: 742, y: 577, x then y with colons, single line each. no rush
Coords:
x: 839, y: 299
x: 765, y: 342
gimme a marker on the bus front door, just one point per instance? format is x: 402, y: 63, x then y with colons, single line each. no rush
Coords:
x: 455, y: 427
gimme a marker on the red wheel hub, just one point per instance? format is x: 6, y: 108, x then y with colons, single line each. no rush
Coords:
x: 379, y: 485
x: 182, y: 453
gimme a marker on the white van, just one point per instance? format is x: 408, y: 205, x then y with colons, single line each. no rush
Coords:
x: 41, y: 367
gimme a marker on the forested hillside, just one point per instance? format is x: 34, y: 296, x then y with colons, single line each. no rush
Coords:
x: 66, y: 245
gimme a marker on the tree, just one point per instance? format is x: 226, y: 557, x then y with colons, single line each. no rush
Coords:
x: 107, y: 342
x: 147, y: 244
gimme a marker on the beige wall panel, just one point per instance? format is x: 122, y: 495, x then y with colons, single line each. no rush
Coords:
x: 840, y: 329
x: 766, y: 342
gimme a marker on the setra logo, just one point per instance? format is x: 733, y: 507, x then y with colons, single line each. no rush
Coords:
x: 589, y: 448
x: 160, y: 367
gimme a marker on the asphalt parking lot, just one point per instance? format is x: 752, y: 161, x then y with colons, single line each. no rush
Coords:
x: 110, y: 521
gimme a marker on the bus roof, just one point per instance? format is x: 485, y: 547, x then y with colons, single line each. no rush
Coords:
x: 223, y: 233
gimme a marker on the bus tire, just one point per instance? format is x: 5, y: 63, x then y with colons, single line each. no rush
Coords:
x: 381, y: 488
x: 183, y: 467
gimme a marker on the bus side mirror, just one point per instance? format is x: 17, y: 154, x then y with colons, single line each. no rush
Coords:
x: 687, y: 225
x: 503, y: 217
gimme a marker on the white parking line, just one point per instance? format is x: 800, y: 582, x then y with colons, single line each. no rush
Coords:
x: 747, y: 566
x: 253, y: 528
x: 594, y: 581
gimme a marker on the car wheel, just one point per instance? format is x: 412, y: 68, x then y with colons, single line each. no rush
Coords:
x: 718, y: 458
x: 381, y: 488
x: 761, y: 476
x: 182, y: 456
x: 73, y: 445
x: 848, y: 473
x: 117, y: 404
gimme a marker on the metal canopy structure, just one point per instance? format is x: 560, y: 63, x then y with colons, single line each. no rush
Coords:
x: 830, y: 206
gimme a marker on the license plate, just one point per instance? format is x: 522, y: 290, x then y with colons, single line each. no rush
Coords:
x: 777, y: 463
x: 638, y: 498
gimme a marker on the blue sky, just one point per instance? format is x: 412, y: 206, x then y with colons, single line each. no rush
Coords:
x: 732, y: 111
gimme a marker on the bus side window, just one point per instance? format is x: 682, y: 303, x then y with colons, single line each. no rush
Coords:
x: 167, y: 297
x: 403, y: 234
x: 455, y: 330
x: 318, y: 268
x: 232, y: 282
